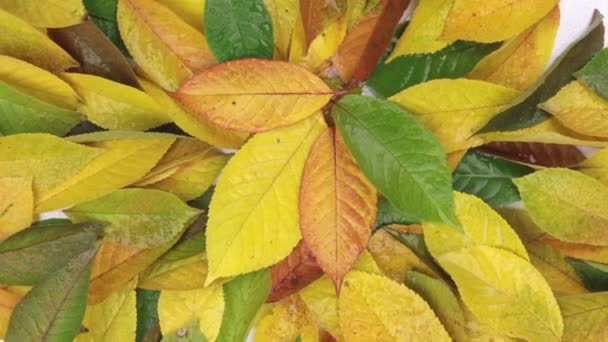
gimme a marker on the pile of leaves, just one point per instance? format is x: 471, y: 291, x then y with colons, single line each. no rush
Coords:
x: 224, y: 170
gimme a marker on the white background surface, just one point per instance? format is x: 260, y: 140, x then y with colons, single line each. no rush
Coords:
x: 574, y: 19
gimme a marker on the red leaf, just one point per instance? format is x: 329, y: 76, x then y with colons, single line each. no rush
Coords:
x: 550, y: 155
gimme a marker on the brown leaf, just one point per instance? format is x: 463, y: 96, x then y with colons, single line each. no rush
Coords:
x: 95, y: 53
x: 550, y: 155
x: 317, y: 14
x: 293, y: 273
x: 366, y: 41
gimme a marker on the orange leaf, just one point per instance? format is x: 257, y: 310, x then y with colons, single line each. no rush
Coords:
x: 366, y: 41
x: 317, y: 15
x: 293, y: 273
x: 337, y: 206
x: 254, y: 95
x: 550, y: 155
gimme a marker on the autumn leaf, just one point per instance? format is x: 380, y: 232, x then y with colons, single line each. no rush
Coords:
x: 16, y: 206
x: 596, y: 166
x: 205, y: 306
x: 579, y: 109
x: 191, y: 11
x: 124, y: 160
x: 167, y: 49
x: 366, y: 40
x: 522, y: 59
x: 337, y: 206
x: 114, y: 318
x: 8, y: 301
x: 22, y: 41
x: 317, y: 57
x: 523, y: 112
x: 286, y: 321
x: 95, y: 53
x: 254, y: 95
x: 422, y: 34
x: 317, y: 15
x: 567, y: 204
x: 141, y: 218
x: 541, y: 154
x: 398, y: 313
x: 116, y: 106
x: 257, y: 192
x: 293, y: 273
x: 284, y: 15
x: 584, y: 316
x: 32, y: 155
x: 494, y: 20
x: 47, y: 13
x: 455, y: 109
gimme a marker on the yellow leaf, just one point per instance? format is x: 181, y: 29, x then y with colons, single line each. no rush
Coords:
x: 192, y: 179
x: 167, y: 49
x: 176, y: 309
x: 585, y: 317
x: 596, y: 166
x: 580, y: 109
x: 286, y: 321
x: 196, y: 126
x: 123, y: 162
x: 454, y: 158
x: 116, y: 264
x: 520, y: 61
x: 493, y: 20
x: 481, y: 225
x: 20, y: 40
x: 185, y: 274
x: 8, y: 301
x: 320, y: 296
x: 394, y: 258
x: 37, y: 82
x: 567, y: 204
x: 254, y: 95
x: 503, y: 291
x: 422, y: 35
x: 354, y: 10
x: 113, y: 105
x: 549, y: 132
x: 16, y: 205
x: 47, y: 13
x: 253, y: 216
x: 455, y: 109
x: 337, y: 206
x: 114, y: 319
x: 191, y: 11
x: 49, y: 160
x: 560, y: 275
x: 443, y: 301
x: 187, y: 169
x: 283, y: 13
x: 375, y: 308
x: 324, y: 46
x: 578, y: 250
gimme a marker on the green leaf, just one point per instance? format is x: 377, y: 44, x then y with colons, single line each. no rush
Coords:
x: 238, y: 29
x: 85, y: 40
x: 387, y: 214
x: 54, y: 308
x: 51, y: 221
x: 22, y: 113
x: 455, y: 61
x: 244, y: 295
x: 595, y: 74
x: 593, y: 275
x: 407, y: 165
x: 147, y: 311
x: 140, y: 218
x: 32, y: 254
x: 103, y: 14
x: 524, y: 111
x: 489, y: 178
